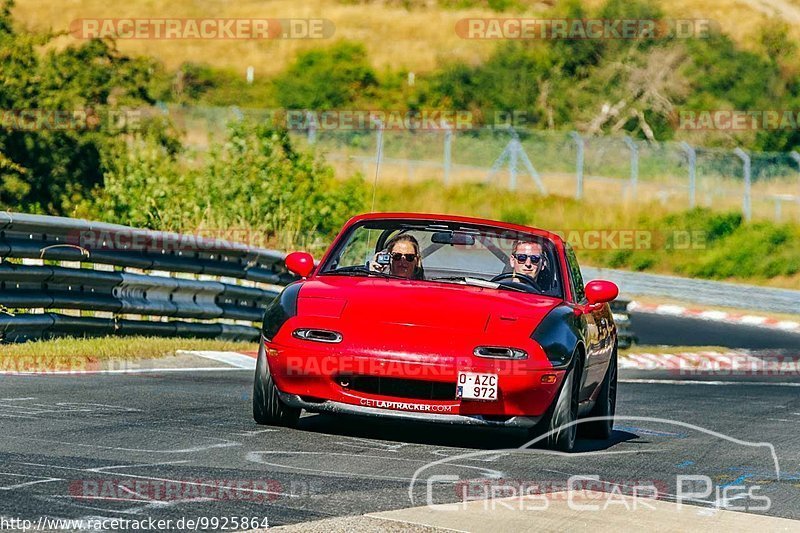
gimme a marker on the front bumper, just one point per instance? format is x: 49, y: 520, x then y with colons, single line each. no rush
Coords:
x: 330, y: 406
x: 311, y: 379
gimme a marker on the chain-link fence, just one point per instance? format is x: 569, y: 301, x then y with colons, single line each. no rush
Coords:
x: 604, y: 169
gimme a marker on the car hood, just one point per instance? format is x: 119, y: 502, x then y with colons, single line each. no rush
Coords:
x: 389, y: 314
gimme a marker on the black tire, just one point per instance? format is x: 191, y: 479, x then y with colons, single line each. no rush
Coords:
x: 606, y: 405
x: 558, y: 423
x: 268, y: 409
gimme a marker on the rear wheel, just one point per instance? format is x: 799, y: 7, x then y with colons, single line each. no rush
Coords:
x: 268, y: 408
x: 559, y: 424
x: 606, y: 405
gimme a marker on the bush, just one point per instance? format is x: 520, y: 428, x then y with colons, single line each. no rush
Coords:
x: 256, y: 180
x: 327, y: 78
x: 51, y: 167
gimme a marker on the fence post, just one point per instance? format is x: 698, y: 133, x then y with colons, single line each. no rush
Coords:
x: 311, y: 120
x: 378, y: 158
x: 512, y: 153
x: 448, y: 154
x: 634, y: 164
x: 513, y: 159
x: 796, y: 156
x: 691, y: 154
x: 746, y: 206
x: 578, y: 163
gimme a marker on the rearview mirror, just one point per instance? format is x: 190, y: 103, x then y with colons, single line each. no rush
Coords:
x: 300, y: 263
x: 452, y: 238
x: 601, y: 291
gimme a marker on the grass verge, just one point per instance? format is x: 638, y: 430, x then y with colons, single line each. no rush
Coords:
x: 671, y: 349
x: 46, y: 355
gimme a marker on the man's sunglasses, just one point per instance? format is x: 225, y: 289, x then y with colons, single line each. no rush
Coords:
x: 408, y: 257
x: 524, y: 257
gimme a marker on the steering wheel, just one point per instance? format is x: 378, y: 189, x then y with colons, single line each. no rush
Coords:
x: 516, y: 278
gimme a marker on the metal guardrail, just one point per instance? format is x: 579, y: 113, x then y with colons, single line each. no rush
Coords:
x: 700, y: 291
x: 62, y: 276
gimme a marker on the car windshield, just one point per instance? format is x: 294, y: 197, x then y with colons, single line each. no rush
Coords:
x: 449, y: 252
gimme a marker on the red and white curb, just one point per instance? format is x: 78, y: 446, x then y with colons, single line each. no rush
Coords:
x: 712, y: 362
x: 715, y: 315
x: 677, y: 361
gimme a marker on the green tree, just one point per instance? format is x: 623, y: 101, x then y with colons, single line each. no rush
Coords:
x: 48, y: 166
x: 326, y: 78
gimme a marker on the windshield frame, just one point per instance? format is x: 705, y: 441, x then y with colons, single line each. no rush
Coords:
x: 429, y: 224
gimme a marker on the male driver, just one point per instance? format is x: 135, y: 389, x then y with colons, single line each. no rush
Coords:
x: 527, y: 259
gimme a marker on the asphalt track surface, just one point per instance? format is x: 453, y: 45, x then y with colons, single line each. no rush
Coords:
x: 169, y: 445
x: 655, y: 329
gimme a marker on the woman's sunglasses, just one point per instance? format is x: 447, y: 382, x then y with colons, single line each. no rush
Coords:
x: 408, y: 257
x: 524, y: 257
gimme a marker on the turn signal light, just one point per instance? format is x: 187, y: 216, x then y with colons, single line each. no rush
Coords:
x: 549, y: 378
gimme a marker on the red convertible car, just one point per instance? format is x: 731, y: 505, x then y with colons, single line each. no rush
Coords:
x: 446, y: 319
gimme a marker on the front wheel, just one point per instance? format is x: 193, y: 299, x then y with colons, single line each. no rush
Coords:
x: 560, y: 423
x: 606, y: 405
x: 268, y: 408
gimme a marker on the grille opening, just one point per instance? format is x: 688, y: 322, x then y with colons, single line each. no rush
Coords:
x: 411, y: 389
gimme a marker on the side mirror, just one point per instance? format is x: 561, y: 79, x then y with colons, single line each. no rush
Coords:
x: 600, y: 291
x: 300, y: 263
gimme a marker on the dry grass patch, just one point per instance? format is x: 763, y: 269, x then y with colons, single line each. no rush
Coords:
x: 394, y: 37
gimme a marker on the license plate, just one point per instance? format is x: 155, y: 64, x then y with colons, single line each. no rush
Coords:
x: 475, y: 386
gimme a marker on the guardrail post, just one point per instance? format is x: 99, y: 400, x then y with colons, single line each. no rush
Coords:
x: 448, y: 152
x: 578, y: 163
x: 746, y: 204
x: 634, y: 164
x: 691, y: 155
